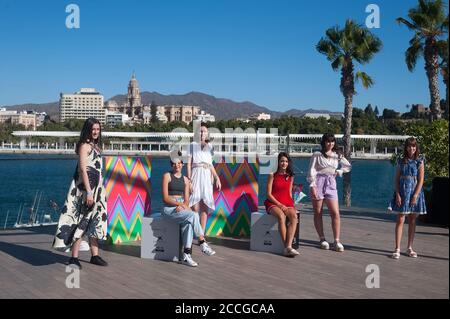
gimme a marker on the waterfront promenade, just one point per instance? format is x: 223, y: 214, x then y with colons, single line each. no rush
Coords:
x: 356, y: 155
x: 30, y: 269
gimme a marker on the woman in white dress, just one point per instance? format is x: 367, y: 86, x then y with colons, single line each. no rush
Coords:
x: 201, y: 172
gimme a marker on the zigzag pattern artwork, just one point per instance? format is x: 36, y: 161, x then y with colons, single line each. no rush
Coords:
x: 236, y: 201
x: 128, y: 195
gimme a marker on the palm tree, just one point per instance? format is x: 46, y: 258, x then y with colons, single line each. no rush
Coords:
x: 427, y: 20
x: 344, y: 47
x: 443, y: 54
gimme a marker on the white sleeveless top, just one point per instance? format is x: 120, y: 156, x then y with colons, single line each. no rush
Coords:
x: 200, y: 155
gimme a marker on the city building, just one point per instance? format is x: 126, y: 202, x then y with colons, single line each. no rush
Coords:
x: 141, y: 113
x: 25, y: 118
x: 420, y: 109
x: 5, y: 116
x: 243, y: 119
x: 134, y: 108
x: 40, y: 118
x: 260, y: 117
x: 82, y: 105
x: 183, y: 113
x: 317, y: 115
x: 160, y: 116
x: 115, y: 119
x: 205, y: 117
x: 337, y: 115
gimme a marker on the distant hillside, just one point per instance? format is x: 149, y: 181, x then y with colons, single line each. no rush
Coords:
x: 222, y: 109
x: 52, y: 108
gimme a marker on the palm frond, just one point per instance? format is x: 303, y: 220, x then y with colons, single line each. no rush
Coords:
x: 338, y: 63
x: 411, y: 26
x: 327, y: 48
x: 366, y: 80
x: 413, y: 53
x: 333, y: 34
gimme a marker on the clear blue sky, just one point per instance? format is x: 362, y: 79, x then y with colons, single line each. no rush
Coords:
x: 245, y: 50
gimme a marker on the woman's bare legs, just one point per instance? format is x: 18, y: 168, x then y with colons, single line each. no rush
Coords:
x: 76, y: 248
x: 333, y: 208
x: 93, y: 243
x: 318, y: 222
x: 291, y: 215
x: 278, y: 214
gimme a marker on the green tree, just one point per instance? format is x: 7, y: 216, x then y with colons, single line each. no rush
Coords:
x: 443, y: 54
x: 344, y: 47
x: 376, y: 112
x: 153, y: 107
x: 433, y: 141
x: 369, y: 111
x: 390, y: 114
x: 428, y: 22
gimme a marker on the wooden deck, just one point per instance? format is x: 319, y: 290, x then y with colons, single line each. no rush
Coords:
x: 30, y: 269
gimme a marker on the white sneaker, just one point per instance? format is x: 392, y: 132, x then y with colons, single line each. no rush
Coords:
x: 338, y: 247
x: 187, y: 260
x: 324, y: 244
x: 207, y: 250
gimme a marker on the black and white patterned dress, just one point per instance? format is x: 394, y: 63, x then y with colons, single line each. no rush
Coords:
x: 78, y: 220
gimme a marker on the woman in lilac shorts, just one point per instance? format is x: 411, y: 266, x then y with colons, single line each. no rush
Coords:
x: 323, y: 168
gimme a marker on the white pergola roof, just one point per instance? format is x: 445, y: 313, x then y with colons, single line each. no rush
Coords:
x: 138, y: 134
x: 353, y: 136
x: 189, y: 134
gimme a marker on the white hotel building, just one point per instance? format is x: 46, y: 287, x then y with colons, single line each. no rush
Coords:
x: 82, y: 105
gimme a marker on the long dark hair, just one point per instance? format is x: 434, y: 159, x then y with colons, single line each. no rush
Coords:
x: 289, y: 170
x: 197, y: 133
x: 411, y: 141
x: 329, y: 137
x: 86, y: 133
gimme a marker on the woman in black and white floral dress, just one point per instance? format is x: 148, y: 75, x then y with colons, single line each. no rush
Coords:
x: 84, y: 211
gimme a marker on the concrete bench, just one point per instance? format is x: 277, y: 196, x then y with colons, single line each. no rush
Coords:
x: 264, y: 234
x: 161, y: 239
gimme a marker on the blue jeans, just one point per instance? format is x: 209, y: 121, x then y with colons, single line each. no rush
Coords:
x: 189, y: 221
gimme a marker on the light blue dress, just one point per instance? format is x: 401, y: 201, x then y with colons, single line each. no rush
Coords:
x: 408, y: 179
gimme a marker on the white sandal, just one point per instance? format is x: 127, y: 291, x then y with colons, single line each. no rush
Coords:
x: 396, y: 254
x: 411, y: 253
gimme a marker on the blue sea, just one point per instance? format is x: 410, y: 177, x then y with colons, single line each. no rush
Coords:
x: 42, y: 182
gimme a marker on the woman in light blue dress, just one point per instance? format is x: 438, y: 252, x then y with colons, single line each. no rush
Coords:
x: 409, y: 199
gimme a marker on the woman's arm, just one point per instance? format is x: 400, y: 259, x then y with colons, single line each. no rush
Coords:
x: 312, y: 172
x: 83, y: 155
x: 420, y: 178
x: 269, y: 191
x: 292, y: 185
x: 398, y: 199
x: 216, y: 178
x: 345, y: 166
x: 165, y: 191
x: 187, y: 192
x: 189, y: 167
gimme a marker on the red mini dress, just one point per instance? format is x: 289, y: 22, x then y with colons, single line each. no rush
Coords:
x: 281, y: 191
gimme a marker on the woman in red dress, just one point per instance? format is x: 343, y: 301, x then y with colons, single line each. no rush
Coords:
x: 280, y: 204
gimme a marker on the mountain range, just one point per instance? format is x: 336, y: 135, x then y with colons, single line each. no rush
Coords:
x: 221, y: 108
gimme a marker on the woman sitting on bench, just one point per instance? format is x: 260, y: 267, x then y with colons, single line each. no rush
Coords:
x: 175, y: 190
x: 280, y: 204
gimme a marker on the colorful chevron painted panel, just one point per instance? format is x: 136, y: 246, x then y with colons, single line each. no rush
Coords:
x: 236, y: 201
x: 128, y: 196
